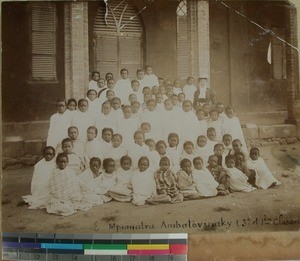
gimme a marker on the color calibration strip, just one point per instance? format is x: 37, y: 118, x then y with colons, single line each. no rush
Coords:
x: 90, y: 247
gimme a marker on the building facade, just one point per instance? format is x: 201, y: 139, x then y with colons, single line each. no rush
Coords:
x: 246, y: 49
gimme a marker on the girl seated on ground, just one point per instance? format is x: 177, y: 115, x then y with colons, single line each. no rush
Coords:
x: 40, y: 179
x: 264, y: 178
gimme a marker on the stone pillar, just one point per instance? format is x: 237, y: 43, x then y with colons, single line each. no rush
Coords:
x: 293, y: 103
x: 76, y: 49
x: 198, y: 19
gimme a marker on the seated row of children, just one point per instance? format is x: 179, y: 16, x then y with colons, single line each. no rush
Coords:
x: 61, y: 191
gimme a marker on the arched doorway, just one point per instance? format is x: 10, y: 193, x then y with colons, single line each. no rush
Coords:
x: 118, y: 38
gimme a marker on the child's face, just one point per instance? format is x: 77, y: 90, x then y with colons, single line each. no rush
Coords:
x: 108, y: 76
x: 213, y: 162
x: 227, y: 141
x: 187, y: 107
x: 139, y: 139
x: 110, y: 95
x: 240, y: 160
x: 61, y: 107
x: 155, y: 90
x: 174, y: 100
x: 203, y: 83
x: 135, y: 86
x: 62, y: 162
x: 169, y: 94
x: 116, y: 141
x: 147, y: 96
x: 181, y: 97
x: 73, y: 133
x: 49, y: 154
x: 96, y: 77
x: 149, y: 70
x: 126, y: 164
x: 127, y: 113
x: 198, y: 164
x: 101, y: 83
x: 95, y: 167
x: 220, y: 108
x: 190, y: 81
x: 189, y: 148
x: 229, y: 113
x: 92, y: 95
x: 201, y: 142
x: 116, y: 104
x: 91, y: 134
x: 160, y: 82
x: 230, y: 163
x: 187, y: 167
x: 254, y: 154
x: 200, y: 115
x: 159, y: 98
x: 168, y: 105
x: 206, y: 108
x: 135, y: 108
x: 83, y: 106
x: 211, y: 135
x: 163, y: 89
x: 111, y: 84
x: 106, y: 108
x: 151, y: 145
x: 197, y: 105
x: 124, y: 74
x: 146, y: 91
x: 72, y: 106
x: 164, y: 165
x: 151, y: 106
x: 161, y: 149
x: 110, y: 167
x: 176, y: 84
x: 173, y: 142
x: 145, y: 128
x: 140, y: 75
x: 237, y: 146
x: 214, y: 115
x: 132, y: 98
x: 107, y: 135
x: 67, y: 147
x: 143, y: 165
x: 218, y: 150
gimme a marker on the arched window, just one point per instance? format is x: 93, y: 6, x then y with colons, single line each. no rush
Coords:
x: 118, y: 38
x: 183, y: 70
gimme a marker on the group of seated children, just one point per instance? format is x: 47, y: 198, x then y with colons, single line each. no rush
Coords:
x: 176, y: 144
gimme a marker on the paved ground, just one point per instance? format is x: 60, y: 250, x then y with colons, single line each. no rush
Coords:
x: 261, y: 210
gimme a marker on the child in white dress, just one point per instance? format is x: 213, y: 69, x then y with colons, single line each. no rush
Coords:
x: 238, y: 181
x: 205, y: 183
x: 264, y: 178
x: 202, y: 150
x: 143, y: 183
x: 188, y: 151
x: 40, y: 180
x: 92, y: 146
x: 122, y: 191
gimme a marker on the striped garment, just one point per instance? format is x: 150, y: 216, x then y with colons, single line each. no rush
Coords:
x: 165, y: 183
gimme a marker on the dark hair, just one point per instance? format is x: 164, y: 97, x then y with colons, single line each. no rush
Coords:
x: 125, y: 157
x: 61, y: 155
x: 197, y: 158
x: 72, y: 100
x: 210, y: 129
x: 160, y: 142
x: 143, y: 158
x: 72, y: 127
x: 218, y: 145
x: 93, y: 128
x: 123, y: 69
x: 237, y: 140
x: 151, y: 100
x: 149, y: 140
x: 253, y: 149
x: 135, y: 102
x: 212, y: 156
x: 117, y: 135
x: 95, y: 159
x: 133, y: 81
x: 138, y: 132
x: 172, y: 135
x: 95, y: 72
x: 229, y: 157
x: 107, y: 129
x: 188, y: 143
x: 164, y: 159
x: 91, y: 90
x: 66, y: 140
x: 226, y: 135
x: 48, y: 148
x: 82, y: 100
x: 185, y: 160
x: 106, y: 161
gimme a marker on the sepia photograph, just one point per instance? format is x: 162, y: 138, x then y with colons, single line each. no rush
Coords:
x: 150, y: 116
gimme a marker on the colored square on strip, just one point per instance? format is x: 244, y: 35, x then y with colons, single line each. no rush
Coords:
x: 148, y: 247
x: 103, y: 252
x: 62, y: 246
x: 105, y: 246
x: 148, y: 252
x: 178, y: 249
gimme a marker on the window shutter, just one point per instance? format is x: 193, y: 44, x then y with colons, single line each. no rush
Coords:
x: 43, y: 42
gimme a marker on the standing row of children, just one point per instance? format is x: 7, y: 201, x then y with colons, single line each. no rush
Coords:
x: 156, y: 149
